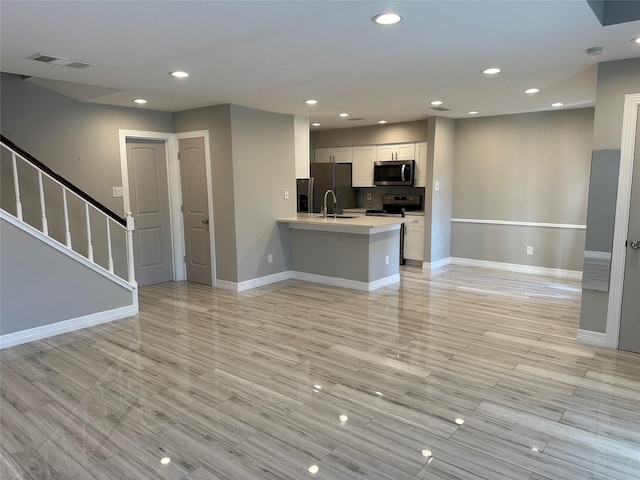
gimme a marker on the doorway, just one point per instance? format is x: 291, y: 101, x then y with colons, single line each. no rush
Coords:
x: 630, y: 312
x: 625, y: 279
x: 173, y: 196
x: 149, y: 204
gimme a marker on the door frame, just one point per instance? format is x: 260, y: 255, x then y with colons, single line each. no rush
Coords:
x: 621, y: 226
x: 207, y: 154
x: 175, y: 194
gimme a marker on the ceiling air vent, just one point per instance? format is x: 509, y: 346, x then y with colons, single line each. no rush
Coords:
x: 355, y: 119
x: 64, y: 62
x: 440, y: 109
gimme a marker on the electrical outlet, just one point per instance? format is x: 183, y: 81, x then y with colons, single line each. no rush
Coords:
x: 270, y: 258
x: 286, y: 194
x: 436, y: 187
x: 368, y: 196
x: 386, y: 260
x: 117, y: 192
x: 529, y: 249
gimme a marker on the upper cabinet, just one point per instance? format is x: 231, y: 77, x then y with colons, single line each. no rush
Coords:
x: 362, y: 169
x: 334, y: 155
x: 301, y: 144
x: 421, y: 165
x: 399, y: 151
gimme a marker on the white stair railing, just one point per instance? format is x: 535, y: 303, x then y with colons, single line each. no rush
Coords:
x: 126, y: 225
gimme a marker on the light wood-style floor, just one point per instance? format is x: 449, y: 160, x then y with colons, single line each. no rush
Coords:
x: 268, y: 383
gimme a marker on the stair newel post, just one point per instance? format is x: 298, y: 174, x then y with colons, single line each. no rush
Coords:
x: 130, y: 264
x: 109, y: 252
x: 89, y: 244
x: 16, y: 186
x: 67, y: 230
x: 45, y: 226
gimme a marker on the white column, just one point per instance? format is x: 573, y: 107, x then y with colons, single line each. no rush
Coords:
x: 67, y: 230
x: 130, y: 264
x: 16, y: 186
x: 45, y: 227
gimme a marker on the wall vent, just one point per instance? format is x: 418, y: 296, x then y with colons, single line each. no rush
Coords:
x: 64, y: 62
x: 440, y: 109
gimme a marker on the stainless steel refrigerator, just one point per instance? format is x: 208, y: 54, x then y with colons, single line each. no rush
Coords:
x: 323, y: 177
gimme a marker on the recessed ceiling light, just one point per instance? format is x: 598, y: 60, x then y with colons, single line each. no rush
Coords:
x: 315, y: 124
x: 557, y: 104
x: 532, y: 90
x: 179, y: 74
x: 473, y: 112
x: 636, y: 40
x: 386, y: 19
x: 382, y: 122
x: 343, y: 114
x: 140, y: 101
x: 491, y: 71
x: 311, y: 101
x: 436, y: 102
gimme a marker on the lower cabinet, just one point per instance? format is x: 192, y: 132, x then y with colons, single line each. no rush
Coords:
x: 414, y: 239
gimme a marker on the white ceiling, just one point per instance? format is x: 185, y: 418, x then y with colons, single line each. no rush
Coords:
x: 272, y: 55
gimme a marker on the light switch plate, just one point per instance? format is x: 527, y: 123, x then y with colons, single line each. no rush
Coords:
x: 117, y: 192
x: 437, y: 186
x: 286, y: 194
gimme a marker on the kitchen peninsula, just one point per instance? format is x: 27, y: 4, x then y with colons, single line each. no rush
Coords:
x: 358, y: 252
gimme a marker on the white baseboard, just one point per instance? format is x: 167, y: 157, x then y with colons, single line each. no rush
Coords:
x: 346, y: 283
x: 592, y: 338
x: 516, y: 267
x: 437, y: 264
x: 65, y: 326
x: 253, y: 283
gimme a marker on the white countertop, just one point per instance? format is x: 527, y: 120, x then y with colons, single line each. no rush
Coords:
x: 360, y: 225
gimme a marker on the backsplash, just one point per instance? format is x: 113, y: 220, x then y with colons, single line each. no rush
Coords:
x: 377, y: 193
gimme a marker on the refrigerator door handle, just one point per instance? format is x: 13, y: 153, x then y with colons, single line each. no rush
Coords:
x: 310, y: 196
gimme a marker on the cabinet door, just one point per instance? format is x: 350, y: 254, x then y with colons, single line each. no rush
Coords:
x: 406, y: 151
x: 414, y: 241
x: 342, y: 154
x: 323, y: 155
x: 421, y: 165
x: 362, y: 170
x: 385, y: 152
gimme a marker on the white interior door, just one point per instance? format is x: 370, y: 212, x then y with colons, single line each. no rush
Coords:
x: 149, y: 200
x: 630, y: 315
x: 195, y: 209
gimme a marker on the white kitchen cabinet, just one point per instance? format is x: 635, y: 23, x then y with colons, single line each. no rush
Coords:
x: 414, y: 238
x: 398, y: 151
x: 362, y: 169
x: 333, y: 155
x: 421, y: 165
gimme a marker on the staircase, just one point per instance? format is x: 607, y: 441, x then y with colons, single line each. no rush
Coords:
x: 66, y: 260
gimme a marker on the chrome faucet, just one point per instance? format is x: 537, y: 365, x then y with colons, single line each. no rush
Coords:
x: 335, y: 203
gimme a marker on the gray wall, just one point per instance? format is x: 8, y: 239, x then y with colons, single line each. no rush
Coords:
x: 531, y: 167
x: 252, y: 155
x: 615, y: 80
x: 263, y: 169
x: 371, y: 135
x: 440, y: 168
x: 40, y: 285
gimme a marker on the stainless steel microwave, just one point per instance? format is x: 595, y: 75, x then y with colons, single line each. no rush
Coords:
x: 395, y: 172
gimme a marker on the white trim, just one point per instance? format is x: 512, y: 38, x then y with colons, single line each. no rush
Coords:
x: 520, y: 224
x: 65, y: 326
x: 621, y: 226
x: 516, y: 267
x: 209, y: 173
x: 346, y: 283
x: 589, y: 337
x: 173, y: 183
x: 254, y: 282
x: 443, y: 262
x: 53, y: 243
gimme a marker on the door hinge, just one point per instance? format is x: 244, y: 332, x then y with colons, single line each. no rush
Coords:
x: 184, y: 258
x: 181, y: 208
x: 178, y: 155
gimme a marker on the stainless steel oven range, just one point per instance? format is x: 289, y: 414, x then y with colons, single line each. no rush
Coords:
x: 396, y: 206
